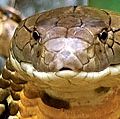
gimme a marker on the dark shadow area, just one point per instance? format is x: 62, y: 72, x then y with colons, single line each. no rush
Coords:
x: 6, y: 113
x: 65, y: 68
x: 53, y: 102
x: 102, y: 89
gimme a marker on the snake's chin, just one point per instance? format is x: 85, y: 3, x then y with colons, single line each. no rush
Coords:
x: 66, y: 73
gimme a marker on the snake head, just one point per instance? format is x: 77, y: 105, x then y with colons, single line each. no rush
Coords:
x: 70, y: 38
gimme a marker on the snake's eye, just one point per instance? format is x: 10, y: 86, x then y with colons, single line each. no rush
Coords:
x: 36, y: 35
x: 103, y: 35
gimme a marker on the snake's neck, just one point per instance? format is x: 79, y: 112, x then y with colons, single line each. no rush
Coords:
x: 50, y: 108
x: 45, y: 100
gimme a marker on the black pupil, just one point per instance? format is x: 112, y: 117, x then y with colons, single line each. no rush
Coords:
x: 104, y: 35
x: 36, y: 35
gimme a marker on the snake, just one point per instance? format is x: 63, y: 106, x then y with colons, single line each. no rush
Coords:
x: 64, y: 64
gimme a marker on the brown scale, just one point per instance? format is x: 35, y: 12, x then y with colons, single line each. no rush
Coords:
x: 16, y: 83
x: 13, y: 108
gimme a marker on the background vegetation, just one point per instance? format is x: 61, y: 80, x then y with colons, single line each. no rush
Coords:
x: 29, y: 7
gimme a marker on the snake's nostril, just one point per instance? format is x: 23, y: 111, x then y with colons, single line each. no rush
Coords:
x: 65, y: 68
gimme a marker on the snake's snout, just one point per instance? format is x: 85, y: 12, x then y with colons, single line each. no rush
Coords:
x: 65, y: 53
x: 64, y: 62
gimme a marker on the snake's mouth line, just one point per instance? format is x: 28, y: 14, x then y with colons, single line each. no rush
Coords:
x: 31, y: 71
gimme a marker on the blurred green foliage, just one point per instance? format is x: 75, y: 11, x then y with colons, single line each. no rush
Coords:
x: 113, y: 5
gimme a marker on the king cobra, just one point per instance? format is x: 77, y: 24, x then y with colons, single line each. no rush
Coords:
x: 64, y: 64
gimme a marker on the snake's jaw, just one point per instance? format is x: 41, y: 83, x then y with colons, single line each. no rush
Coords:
x: 64, y: 72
